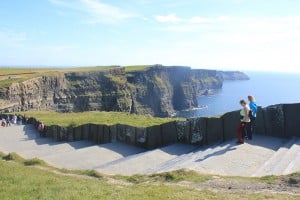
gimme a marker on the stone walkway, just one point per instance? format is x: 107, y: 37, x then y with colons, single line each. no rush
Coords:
x: 261, y: 156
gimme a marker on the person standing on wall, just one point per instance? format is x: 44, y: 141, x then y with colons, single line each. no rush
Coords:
x: 252, y: 115
x: 244, y: 123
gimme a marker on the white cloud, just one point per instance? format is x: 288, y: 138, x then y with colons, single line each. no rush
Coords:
x: 208, y: 20
x: 172, y: 18
x: 97, y: 11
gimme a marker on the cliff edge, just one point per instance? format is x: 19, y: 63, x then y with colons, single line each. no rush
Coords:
x: 156, y: 90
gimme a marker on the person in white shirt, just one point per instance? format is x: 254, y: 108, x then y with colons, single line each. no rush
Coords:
x: 244, y: 121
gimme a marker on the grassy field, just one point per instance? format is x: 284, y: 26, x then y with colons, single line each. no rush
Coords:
x: 19, y: 179
x: 136, y: 68
x: 108, y: 118
x: 12, y: 75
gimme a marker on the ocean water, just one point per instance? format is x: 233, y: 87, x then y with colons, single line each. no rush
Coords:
x: 268, y: 89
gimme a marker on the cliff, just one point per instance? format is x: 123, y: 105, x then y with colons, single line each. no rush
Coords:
x: 155, y: 90
x: 232, y: 75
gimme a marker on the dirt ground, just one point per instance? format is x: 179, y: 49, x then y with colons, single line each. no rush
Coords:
x: 284, y: 185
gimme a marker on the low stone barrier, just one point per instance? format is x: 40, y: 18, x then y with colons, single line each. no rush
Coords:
x: 292, y: 119
x: 278, y: 120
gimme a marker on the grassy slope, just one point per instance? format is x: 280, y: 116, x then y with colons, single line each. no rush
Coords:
x: 25, y: 182
x: 11, y: 75
x: 109, y: 118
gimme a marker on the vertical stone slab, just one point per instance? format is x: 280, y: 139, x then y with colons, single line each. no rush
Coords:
x: 141, y: 136
x: 259, y: 126
x: 154, y: 138
x: 169, y: 133
x: 274, y: 120
x: 70, y: 133
x: 63, y: 133
x: 130, y: 135
x: 100, y: 135
x: 292, y: 119
x: 113, y: 132
x: 196, y: 135
x: 51, y: 131
x: 183, y: 131
x: 86, y: 131
x: 106, y: 134
x: 231, y: 121
x: 78, y: 133
x: 214, y: 130
x: 94, y: 133
x: 121, y: 133
x: 203, y: 130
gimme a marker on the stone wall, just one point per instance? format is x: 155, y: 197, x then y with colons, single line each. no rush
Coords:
x: 277, y: 120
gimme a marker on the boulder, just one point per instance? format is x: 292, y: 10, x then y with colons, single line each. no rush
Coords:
x: 292, y: 119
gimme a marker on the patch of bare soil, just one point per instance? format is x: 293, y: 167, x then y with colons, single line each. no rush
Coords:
x: 284, y: 185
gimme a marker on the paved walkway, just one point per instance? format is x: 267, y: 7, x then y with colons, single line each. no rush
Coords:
x: 261, y: 156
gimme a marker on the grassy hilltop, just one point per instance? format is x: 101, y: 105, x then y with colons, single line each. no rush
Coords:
x: 12, y: 75
x: 33, y: 179
x: 107, y: 118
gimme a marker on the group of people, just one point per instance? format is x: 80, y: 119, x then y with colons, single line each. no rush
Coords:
x: 247, y: 119
x: 9, y: 121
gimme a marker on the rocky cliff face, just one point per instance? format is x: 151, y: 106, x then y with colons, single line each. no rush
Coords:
x: 232, y: 75
x: 157, y: 90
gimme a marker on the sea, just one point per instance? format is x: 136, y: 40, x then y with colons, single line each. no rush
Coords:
x: 268, y: 88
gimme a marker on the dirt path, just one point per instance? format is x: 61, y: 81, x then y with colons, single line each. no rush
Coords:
x: 232, y: 185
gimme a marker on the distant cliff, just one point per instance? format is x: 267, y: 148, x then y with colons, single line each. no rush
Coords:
x: 155, y: 90
x: 232, y: 75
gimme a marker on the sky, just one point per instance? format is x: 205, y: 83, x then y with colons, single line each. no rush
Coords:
x: 213, y: 34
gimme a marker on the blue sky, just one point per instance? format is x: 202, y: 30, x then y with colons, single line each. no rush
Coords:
x: 221, y: 34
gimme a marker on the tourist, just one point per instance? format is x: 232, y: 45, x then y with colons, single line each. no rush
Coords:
x: 3, y: 122
x: 244, y: 122
x: 252, y: 114
x: 14, y: 119
x: 8, y: 121
x: 19, y: 120
x: 40, y: 127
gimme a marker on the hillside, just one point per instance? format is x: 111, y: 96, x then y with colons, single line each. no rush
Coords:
x: 32, y: 179
x: 156, y: 90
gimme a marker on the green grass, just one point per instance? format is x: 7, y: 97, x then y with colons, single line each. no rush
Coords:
x: 108, y: 118
x: 134, y: 68
x: 25, y: 182
x: 16, y: 75
x: 172, y: 177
